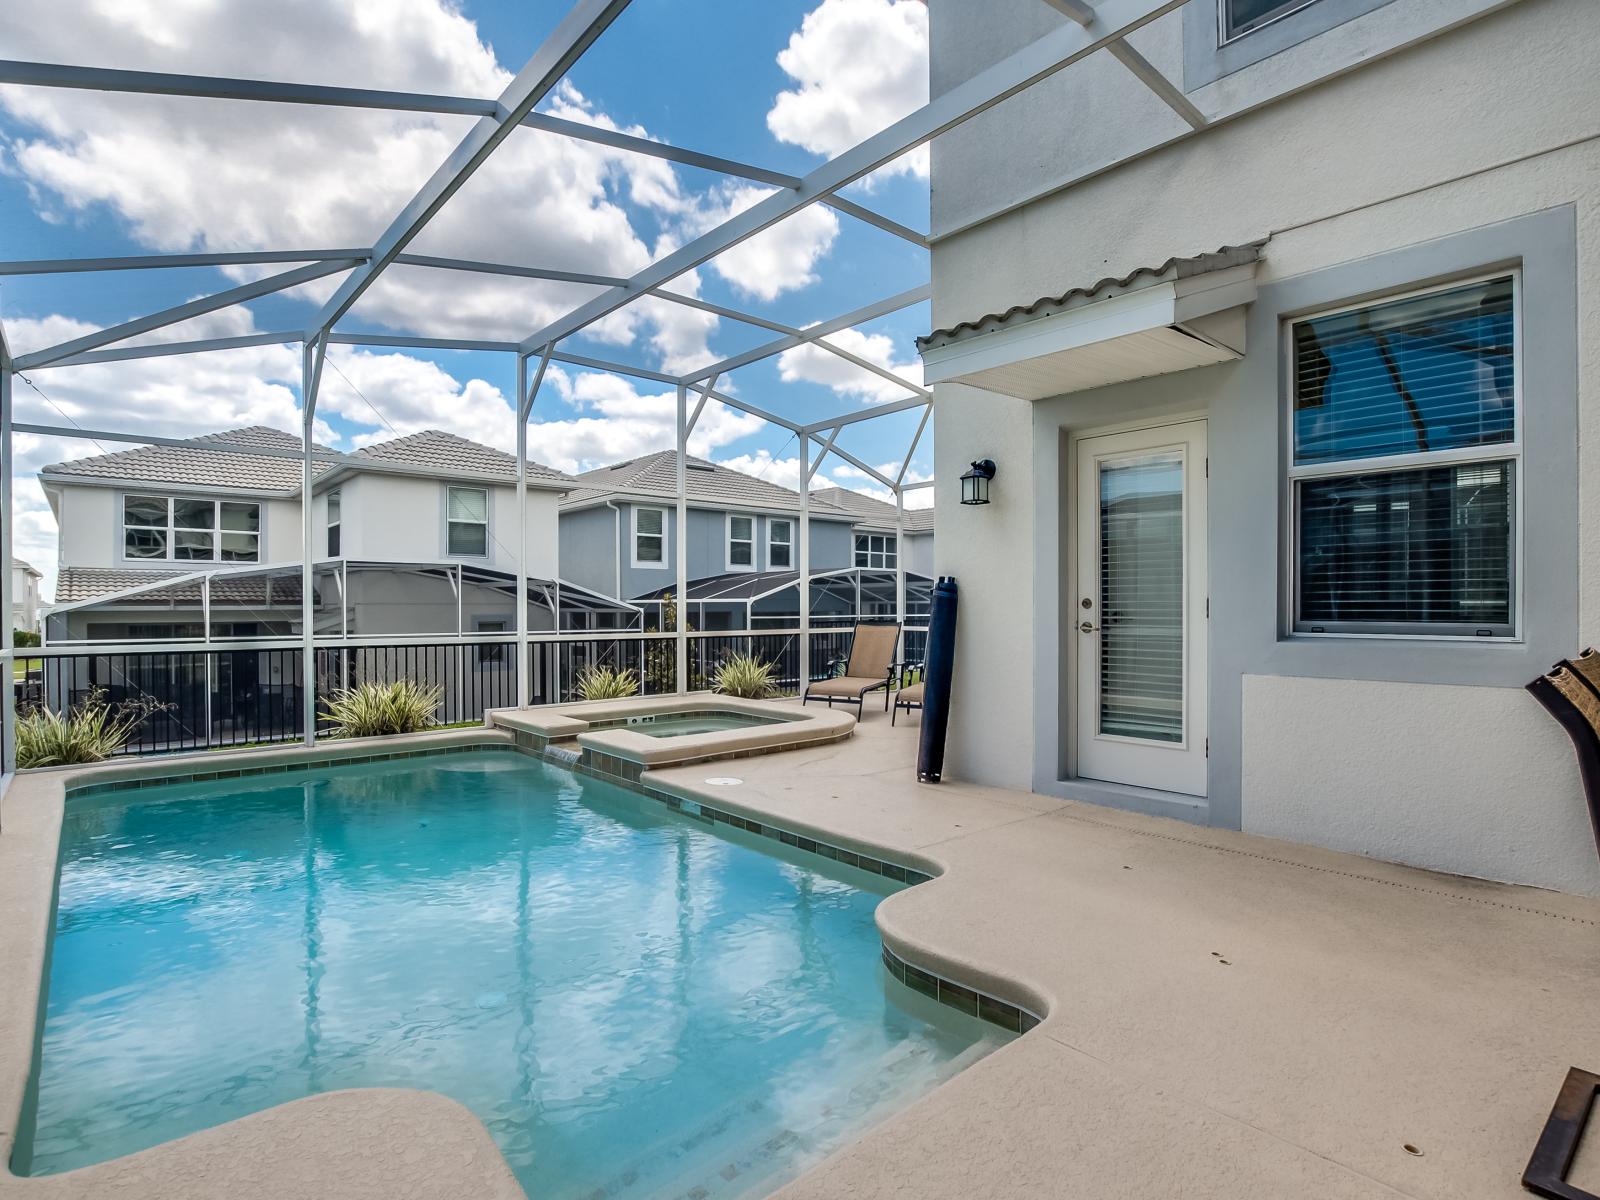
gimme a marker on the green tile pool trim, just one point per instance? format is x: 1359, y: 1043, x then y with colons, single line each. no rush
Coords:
x: 1010, y: 1017
x: 75, y: 791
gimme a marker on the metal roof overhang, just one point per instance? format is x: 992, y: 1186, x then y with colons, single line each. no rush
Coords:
x: 1154, y: 328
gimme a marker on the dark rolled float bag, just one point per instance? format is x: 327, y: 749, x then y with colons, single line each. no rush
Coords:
x: 936, y: 673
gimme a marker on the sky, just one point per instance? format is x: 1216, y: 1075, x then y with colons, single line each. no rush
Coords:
x: 782, y: 84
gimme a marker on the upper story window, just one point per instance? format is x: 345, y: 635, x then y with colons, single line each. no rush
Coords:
x: 1239, y: 17
x: 876, y: 551
x: 1404, y: 464
x: 182, y: 529
x: 335, y: 523
x: 467, y: 521
x: 780, y: 545
x: 741, y: 543
x: 649, y: 537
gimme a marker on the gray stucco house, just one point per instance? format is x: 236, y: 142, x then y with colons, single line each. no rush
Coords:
x: 619, y: 537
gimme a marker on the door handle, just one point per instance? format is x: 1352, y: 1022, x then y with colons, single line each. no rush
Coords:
x: 1086, y: 627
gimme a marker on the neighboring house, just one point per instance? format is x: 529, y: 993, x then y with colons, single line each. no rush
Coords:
x: 880, y: 532
x: 619, y: 536
x: 1280, y: 530
x: 24, y: 596
x: 417, y: 537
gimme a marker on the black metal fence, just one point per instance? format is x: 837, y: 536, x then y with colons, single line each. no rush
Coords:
x: 201, y: 699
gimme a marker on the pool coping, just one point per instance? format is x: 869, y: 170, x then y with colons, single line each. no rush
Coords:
x: 25, y: 944
x: 789, y: 727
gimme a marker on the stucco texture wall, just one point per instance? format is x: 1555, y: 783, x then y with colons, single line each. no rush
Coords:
x: 1444, y: 138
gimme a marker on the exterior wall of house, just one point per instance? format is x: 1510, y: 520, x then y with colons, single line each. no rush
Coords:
x: 919, y: 553
x: 24, y: 599
x: 401, y: 518
x: 597, y: 546
x: 89, y: 522
x: 1470, y: 150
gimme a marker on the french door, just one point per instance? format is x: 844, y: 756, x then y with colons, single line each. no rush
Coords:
x: 1139, y: 613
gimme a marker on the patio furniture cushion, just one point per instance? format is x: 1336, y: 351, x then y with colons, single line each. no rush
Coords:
x: 872, y: 652
x: 909, y: 695
x: 850, y: 686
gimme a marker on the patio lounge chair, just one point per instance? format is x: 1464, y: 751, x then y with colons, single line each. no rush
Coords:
x: 1570, y: 692
x: 870, y: 666
x: 906, y: 698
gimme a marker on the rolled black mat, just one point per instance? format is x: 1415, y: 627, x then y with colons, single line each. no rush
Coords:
x: 936, y: 673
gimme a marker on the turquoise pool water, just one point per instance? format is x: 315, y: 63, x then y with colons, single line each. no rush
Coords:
x: 676, y: 724
x: 630, y: 1001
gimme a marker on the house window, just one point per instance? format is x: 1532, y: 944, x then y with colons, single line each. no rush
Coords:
x: 334, y: 524
x: 1240, y: 17
x: 492, y: 654
x: 876, y: 551
x: 780, y: 545
x: 649, y: 537
x: 467, y: 517
x: 741, y: 543
x: 184, y: 529
x: 1405, y: 462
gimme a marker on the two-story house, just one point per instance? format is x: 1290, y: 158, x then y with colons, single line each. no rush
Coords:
x: 1281, y: 342
x: 619, y: 536
x: 881, y: 534
x: 24, y: 596
x: 414, y: 535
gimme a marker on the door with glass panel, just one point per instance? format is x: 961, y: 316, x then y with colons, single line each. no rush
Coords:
x: 1139, y: 609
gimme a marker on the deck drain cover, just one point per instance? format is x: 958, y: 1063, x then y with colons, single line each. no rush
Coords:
x: 724, y: 781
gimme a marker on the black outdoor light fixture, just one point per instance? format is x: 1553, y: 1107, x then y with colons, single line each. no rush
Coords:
x: 975, y: 483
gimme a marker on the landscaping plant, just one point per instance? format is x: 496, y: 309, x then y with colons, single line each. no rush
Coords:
x: 91, y: 732
x: 746, y: 676
x: 375, y: 709
x: 606, y: 683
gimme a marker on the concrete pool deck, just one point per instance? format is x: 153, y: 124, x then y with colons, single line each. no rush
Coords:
x: 1224, y: 1015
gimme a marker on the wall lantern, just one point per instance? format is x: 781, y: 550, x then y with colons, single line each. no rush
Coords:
x: 975, y: 483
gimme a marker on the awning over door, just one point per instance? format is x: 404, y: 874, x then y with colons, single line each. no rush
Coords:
x: 1187, y: 312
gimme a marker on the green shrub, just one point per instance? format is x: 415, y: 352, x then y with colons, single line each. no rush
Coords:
x: 25, y: 637
x: 746, y: 676
x: 375, y: 709
x: 92, y: 732
x: 606, y: 683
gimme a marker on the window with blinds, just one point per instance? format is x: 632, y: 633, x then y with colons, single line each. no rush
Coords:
x: 1404, y: 464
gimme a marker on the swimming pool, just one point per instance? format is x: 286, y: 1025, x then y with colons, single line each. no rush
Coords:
x: 630, y: 1001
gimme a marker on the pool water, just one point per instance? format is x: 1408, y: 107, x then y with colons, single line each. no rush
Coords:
x: 677, y: 724
x: 632, y: 1003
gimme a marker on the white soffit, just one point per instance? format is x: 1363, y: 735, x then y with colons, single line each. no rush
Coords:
x: 1157, y: 320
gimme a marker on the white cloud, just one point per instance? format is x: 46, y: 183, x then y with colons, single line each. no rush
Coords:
x: 779, y: 259
x: 620, y: 422
x: 812, y: 364
x: 190, y: 174
x: 860, y: 65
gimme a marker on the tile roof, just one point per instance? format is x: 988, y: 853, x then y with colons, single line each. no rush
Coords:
x: 874, y: 511
x: 1139, y: 277
x: 19, y: 564
x: 195, y: 465
x: 447, y: 452
x: 74, y: 584
x: 656, y: 475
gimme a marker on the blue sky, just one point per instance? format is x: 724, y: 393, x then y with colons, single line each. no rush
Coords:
x: 779, y: 83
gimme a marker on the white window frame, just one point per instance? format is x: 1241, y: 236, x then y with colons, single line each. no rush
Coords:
x: 772, y: 541
x: 1494, y: 452
x: 171, y: 529
x: 335, y: 505
x: 633, y: 540
x: 1225, y: 35
x: 728, y: 541
x: 488, y: 540
x: 888, y: 554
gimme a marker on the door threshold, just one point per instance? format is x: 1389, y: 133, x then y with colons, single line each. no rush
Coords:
x: 1194, y: 810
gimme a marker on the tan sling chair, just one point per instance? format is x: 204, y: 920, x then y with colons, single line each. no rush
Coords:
x: 871, y: 666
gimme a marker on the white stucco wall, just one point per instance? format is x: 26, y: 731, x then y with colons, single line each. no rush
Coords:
x: 1485, y: 123
x: 1451, y: 778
